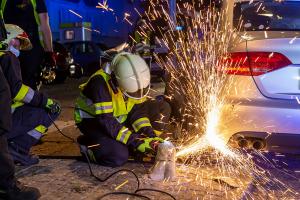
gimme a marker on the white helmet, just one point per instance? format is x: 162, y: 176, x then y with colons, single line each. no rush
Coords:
x: 14, y: 31
x: 132, y: 74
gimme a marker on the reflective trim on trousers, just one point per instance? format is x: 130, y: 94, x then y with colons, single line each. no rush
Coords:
x: 38, y: 132
x: 35, y: 134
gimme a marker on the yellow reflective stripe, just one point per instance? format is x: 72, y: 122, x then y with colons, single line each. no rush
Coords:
x: 22, y: 93
x: 123, y: 135
x: 140, y: 123
x: 38, y: 132
x: 103, y: 107
x: 42, y: 129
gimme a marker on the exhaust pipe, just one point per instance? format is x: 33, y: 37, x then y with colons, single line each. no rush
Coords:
x: 242, y: 142
x: 258, y: 144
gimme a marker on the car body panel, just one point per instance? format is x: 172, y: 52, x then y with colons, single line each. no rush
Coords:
x: 87, y: 54
x: 267, y: 105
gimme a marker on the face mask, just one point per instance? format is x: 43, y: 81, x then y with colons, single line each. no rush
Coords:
x: 14, y: 50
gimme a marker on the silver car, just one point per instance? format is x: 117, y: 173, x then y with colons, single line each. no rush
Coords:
x: 263, y: 104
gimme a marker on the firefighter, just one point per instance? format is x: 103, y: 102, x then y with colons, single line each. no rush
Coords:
x: 10, y: 189
x: 31, y: 16
x: 32, y: 111
x: 114, y: 115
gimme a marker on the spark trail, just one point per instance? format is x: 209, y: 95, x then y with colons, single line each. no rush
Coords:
x: 197, y: 74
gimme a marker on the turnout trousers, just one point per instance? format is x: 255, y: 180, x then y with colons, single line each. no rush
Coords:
x: 111, y: 152
x: 29, y: 126
x: 7, y: 169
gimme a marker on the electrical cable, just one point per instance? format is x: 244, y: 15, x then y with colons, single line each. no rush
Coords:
x: 84, y: 151
x: 124, y: 193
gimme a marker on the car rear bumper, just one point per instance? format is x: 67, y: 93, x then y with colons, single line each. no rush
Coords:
x: 247, y: 111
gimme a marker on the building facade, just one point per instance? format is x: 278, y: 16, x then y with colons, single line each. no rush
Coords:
x: 108, y: 20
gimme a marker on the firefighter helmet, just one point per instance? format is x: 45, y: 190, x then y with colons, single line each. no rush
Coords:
x: 14, y: 31
x: 132, y: 74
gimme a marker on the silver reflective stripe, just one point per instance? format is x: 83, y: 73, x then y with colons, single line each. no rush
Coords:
x: 104, y: 108
x: 136, y: 126
x: 35, y: 134
x: 120, y: 119
x: 13, y: 110
x: 29, y: 96
x: 124, y: 132
x: 84, y: 114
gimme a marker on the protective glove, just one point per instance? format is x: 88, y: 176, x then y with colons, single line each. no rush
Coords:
x: 53, y: 107
x: 149, y: 144
x: 50, y: 58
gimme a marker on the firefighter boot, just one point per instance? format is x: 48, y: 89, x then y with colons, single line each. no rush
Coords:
x: 21, y: 156
x: 19, y: 192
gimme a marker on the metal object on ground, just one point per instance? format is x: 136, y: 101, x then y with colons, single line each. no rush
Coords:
x: 165, y: 166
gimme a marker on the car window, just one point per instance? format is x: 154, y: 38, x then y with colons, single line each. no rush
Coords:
x: 83, y: 48
x: 267, y: 15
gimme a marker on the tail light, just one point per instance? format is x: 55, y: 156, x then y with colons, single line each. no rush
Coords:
x: 254, y: 63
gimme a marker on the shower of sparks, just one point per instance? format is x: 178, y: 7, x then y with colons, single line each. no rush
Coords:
x: 75, y: 13
x: 197, y: 73
x: 126, y: 16
x: 97, y: 31
x: 121, y: 185
x: 104, y: 6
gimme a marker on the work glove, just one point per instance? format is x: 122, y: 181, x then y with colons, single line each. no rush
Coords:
x: 149, y: 145
x: 53, y: 107
x: 50, y: 58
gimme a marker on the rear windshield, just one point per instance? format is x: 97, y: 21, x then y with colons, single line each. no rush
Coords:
x: 267, y: 15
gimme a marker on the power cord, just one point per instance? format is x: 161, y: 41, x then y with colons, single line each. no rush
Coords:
x: 84, y: 150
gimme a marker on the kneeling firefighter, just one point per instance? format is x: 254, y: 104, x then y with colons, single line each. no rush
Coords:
x: 31, y: 110
x: 113, y: 112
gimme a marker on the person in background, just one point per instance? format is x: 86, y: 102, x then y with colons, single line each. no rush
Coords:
x: 32, y: 17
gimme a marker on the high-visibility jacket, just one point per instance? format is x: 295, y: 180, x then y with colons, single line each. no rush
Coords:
x: 36, y: 16
x: 20, y: 93
x: 121, y: 119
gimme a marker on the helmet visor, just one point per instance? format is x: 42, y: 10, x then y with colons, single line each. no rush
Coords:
x: 141, y: 93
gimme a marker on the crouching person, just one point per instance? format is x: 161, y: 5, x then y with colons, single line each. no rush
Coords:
x: 32, y: 111
x: 114, y: 115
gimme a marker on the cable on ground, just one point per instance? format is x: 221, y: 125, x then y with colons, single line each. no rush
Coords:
x: 134, y: 194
